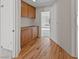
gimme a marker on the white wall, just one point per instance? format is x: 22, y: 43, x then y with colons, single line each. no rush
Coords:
x: 78, y: 27
x: 63, y: 24
x: 25, y: 21
x: 0, y: 26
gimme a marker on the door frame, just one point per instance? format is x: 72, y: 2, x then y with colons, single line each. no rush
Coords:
x: 17, y: 27
x: 49, y: 21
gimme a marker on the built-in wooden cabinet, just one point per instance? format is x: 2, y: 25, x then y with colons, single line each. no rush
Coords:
x: 32, y: 12
x: 28, y: 34
x: 28, y: 10
x: 25, y: 36
x: 24, y: 9
x: 34, y: 30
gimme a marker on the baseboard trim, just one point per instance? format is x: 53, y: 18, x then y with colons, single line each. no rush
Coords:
x: 64, y: 50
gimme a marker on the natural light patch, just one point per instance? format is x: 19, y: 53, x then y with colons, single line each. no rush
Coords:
x: 34, y: 0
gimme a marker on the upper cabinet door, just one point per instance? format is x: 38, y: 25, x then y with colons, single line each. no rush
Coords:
x: 32, y: 12
x: 28, y: 10
x: 24, y: 9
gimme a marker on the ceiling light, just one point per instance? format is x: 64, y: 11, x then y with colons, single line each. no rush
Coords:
x: 34, y: 0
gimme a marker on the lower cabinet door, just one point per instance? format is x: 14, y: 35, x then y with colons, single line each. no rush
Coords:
x: 24, y: 37
x: 34, y: 32
x: 28, y: 35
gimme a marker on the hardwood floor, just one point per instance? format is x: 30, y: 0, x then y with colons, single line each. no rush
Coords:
x: 43, y: 48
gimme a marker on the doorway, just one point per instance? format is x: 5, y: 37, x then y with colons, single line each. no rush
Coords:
x: 45, y: 24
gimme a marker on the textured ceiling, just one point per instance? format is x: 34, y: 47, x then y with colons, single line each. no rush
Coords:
x: 39, y: 3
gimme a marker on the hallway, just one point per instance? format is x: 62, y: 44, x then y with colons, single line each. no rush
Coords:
x: 43, y: 48
x: 25, y: 24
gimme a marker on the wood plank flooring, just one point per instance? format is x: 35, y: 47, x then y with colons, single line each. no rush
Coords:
x: 43, y: 48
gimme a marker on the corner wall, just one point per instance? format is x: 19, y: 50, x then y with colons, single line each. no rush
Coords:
x: 65, y: 25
